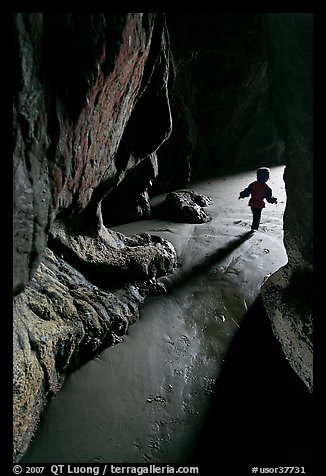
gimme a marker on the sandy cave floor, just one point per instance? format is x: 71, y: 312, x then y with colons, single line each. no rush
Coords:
x: 149, y: 398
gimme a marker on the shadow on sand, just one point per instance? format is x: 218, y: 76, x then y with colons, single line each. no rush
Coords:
x: 181, y: 277
x: 261, y: 412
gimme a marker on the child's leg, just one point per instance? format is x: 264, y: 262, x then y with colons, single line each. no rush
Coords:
x: 256, y: 214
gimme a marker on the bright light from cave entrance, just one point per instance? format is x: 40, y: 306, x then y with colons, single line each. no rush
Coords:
x: 224, y: 244
x: 272, y: 214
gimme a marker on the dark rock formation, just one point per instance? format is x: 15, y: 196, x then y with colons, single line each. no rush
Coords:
x: 75, y: 93
x: 110, y: 259
x: 184, y: 206
x: 220, y: 98
x: 287, y: 295
x: 62, y: 318
x: 129, y: 200
x: 87, y: 89
x: 59, y: 321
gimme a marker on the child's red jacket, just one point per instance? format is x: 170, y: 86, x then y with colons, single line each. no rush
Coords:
x: 258, y: 191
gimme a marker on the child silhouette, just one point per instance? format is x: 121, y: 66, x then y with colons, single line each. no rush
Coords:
x: 259, y: 192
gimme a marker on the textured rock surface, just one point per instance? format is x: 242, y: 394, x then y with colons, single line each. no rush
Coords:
x: 111, y: 259
x: 288, y: 299
x: 59, y: 321
x: 83, y: 101
x: 62, y: 319
x: 75, y: 93
x: 184, y: 206
x: 288, y: 294
x: 129, y: 201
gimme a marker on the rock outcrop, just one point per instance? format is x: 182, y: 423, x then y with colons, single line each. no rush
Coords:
x: 88, y: 90
x: 65, y: 316
x: 75, y: 94
x: 184, y: 206
x: 288, y: 294
x: 129, y: 201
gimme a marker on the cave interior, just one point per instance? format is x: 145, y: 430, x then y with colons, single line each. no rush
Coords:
x: 111, y: 111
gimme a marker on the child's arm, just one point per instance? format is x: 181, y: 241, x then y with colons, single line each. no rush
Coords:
x: 245, y: 193
x: 269, y: 196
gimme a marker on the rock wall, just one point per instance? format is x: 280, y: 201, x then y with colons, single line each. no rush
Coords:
x: 288, y: 294
x: 90, y: 105
x: 75, y: 93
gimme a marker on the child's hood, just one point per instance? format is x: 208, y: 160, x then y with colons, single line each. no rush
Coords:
x: 263, y: 174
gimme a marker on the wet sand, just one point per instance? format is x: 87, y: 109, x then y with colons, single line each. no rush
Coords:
x: 154, y: 397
